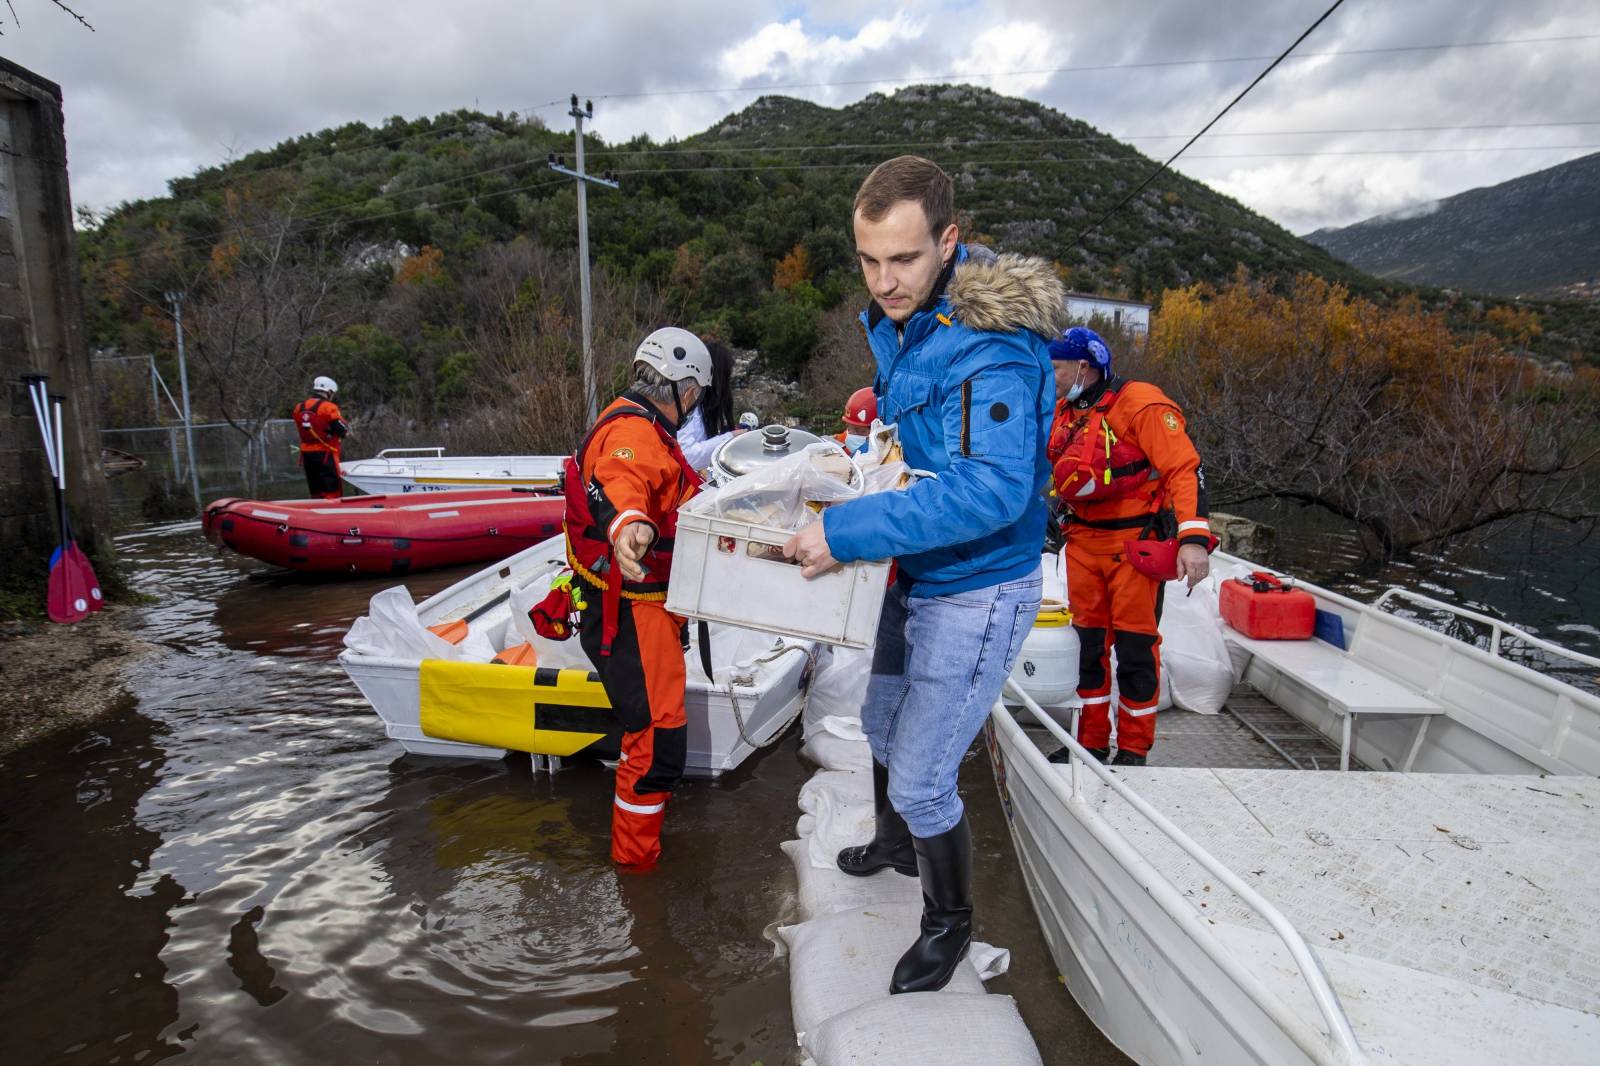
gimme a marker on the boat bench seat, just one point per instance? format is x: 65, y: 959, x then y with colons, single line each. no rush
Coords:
x: 1350, y: 687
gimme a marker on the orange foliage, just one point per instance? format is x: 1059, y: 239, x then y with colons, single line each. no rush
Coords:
x: 426, y: 265
x: 792, y: 269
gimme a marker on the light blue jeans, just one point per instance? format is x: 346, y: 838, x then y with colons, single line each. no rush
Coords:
x: 937, y: 669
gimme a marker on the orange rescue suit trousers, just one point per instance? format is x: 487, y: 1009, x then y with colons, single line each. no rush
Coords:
x: 1113, y: 605
x: 644, y: 679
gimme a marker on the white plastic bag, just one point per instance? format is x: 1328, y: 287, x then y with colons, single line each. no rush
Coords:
x: 1194, y: 655
x: 788, y: 493
x: 391, y: 630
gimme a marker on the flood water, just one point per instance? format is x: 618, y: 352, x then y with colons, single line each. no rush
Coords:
x: 242, y: 868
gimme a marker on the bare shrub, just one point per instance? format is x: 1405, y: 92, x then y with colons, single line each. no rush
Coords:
x: 523, y: 330
x: 841, y: 364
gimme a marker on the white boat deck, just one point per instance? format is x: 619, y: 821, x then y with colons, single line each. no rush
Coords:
x: 1485, y: 880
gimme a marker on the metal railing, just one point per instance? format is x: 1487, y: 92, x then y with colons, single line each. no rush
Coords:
x: 1341, y: 1035
x: 1497, y: 628
x: 436, y: 452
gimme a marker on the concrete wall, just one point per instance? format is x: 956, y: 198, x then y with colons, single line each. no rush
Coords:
x: 41, y: 322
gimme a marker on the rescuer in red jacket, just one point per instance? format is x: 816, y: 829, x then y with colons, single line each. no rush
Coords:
x: 1131, y: 496
x: 322, y: 431
x: 623, y: 489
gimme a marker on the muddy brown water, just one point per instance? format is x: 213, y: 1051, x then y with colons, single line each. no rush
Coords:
x: 242, y: 868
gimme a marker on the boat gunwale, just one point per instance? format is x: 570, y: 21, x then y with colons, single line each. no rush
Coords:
x: 1337, y: 1047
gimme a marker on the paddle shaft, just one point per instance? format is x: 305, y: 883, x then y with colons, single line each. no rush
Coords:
x: 486, y: 608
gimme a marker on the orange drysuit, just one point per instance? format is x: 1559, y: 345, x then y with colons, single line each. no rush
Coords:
x: 322, y: 431
x: 633, y: 471
x: 1124, y: 469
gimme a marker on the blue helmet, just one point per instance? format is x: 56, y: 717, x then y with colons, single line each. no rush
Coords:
x: 1083, y: 343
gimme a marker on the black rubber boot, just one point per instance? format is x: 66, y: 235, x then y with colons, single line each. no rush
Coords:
x: 1063, y: 754
x: 945, y: 864
x: 891, y: 840
x: 1127, y: 758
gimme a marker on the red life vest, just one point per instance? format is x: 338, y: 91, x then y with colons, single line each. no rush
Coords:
x: 312, y: 417
x: 589, y: 548
x: 1092, y: 462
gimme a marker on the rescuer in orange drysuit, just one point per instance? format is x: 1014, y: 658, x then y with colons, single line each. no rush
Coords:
x: 623, y: 489
x: 322, y: 431
x: 1132, y: 501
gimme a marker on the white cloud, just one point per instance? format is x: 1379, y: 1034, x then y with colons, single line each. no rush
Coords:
x: 784, y: 49
x: 1013, y: 46
x: 162, y: 89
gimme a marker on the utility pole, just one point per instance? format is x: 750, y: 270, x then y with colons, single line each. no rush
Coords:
x: 559, y: 165
x: 175, y: 298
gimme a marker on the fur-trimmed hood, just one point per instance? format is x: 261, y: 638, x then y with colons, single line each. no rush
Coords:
x: 1006, y: 293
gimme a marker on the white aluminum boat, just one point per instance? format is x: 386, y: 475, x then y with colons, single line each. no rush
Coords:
x: 760, y: 690
x: 430, y: 470
x: 1211, y: 910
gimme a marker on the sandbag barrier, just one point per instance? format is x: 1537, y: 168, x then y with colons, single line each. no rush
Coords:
x: 854, y: 929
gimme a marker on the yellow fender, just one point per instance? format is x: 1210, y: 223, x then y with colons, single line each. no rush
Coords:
x: 524, y: 708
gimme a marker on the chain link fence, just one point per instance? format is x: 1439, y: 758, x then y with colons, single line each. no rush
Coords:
x: 149, y: 465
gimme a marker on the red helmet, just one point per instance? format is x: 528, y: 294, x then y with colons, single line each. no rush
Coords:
x: 861, y: 409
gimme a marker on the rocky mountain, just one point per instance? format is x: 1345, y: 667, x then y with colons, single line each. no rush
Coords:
x: 1534, y: 235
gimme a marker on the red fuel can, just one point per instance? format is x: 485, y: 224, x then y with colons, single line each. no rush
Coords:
x: 1262, y: 607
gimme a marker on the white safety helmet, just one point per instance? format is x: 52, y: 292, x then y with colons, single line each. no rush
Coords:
x: 677, y: 355
x: 325, y: 384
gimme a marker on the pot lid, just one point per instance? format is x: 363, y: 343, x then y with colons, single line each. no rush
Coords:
x: 748, y: 451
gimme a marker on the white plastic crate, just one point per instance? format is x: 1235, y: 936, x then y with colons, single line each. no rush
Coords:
x: 728, y: 571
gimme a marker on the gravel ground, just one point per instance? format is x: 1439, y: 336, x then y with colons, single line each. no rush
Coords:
x: 59, y: 676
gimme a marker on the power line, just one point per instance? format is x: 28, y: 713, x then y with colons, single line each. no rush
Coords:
x: 764, y: 168
x: 1094, y: 68
x: 1242, y: 93
x: 1086, y: 139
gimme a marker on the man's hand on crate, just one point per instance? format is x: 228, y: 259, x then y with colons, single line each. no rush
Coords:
x: 809, y: 548
x: 633, y: 540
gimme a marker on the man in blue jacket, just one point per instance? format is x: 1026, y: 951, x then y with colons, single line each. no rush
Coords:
x: 960, y: 337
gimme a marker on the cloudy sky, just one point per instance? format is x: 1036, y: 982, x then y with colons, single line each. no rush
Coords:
x: 160, y: 89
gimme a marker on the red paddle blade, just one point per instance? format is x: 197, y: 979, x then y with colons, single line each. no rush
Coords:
x: 91, y: 581
x: 66, y: 595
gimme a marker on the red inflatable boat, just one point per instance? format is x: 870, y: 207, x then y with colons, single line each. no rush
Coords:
x: 384, y: 534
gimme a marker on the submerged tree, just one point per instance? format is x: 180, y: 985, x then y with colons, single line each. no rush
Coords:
x: 1379, y: 415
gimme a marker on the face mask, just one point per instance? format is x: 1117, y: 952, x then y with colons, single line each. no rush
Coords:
x: 852, y: 441
x: 1076, y: 389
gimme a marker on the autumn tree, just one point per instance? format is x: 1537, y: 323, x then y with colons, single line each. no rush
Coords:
x: 270, y: 289
x: 1381, y: 416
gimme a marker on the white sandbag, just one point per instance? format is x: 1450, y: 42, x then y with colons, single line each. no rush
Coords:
x: 839, y: 803
x: 944, y: 1029
x: 839, y: 686
x: 1194, y: 656
x: 838, y: 744
x: 838, y: 962
x: 825, y: 890
x: 390, y: 629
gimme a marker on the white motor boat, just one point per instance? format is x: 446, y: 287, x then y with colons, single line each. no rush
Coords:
x: 1213, y: 908
x: 757, y: 693
x: 430, y: 470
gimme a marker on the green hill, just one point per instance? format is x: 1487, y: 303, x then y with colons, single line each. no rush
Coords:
x: 700, y: 226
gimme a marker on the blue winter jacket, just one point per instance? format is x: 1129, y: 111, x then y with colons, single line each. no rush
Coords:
x: 969, y: 383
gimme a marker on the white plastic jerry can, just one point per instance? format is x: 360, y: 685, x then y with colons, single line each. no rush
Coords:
x: 1047, y: 667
